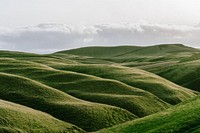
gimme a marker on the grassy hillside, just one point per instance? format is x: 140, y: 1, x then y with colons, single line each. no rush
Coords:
x: 89, y: 116
x: 178, y: 119
x: 101, y: 51
x: 127, y: 51
x: 185, y: 72
x: 88, y: 87
x: 16, y: 118
x: 133, y: 55
x: 154, y: 84
x: 99, y: 87
x: 17, y: 54
x: 165, y: 60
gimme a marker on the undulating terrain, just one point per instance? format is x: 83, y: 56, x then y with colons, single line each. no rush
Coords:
x: 101, y: 89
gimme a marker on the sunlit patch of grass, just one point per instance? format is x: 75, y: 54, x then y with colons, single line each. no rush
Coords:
x: 180, y: 118
x: 17, y: 118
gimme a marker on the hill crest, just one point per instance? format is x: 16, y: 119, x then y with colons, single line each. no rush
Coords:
x: 114, y: 51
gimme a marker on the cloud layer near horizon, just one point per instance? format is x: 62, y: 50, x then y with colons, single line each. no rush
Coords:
x: 45, y: 38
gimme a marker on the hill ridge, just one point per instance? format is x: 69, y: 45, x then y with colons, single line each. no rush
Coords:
x: 115, y: 51
x: 98, y: 87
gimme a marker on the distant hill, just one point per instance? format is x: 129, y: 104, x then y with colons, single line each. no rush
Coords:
x: 90, y: 87
x: 175, y: 62
x: 185, y: 73
x: 94, y: 88
x: 149, y: 82
x: 128, y: 51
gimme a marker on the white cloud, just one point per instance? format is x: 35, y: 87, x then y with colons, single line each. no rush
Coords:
x: 45, y: 38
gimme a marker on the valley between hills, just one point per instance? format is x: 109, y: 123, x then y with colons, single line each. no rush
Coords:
x: 121, y: 89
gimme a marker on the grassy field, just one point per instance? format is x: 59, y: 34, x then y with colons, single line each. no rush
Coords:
x: 60, y: 105
x: 163, y: 89
x: 17, y: 118
x: 128, y: 51
x: 99, y: 87
x: 86, y: 87
x: 182, y: 118
x: 185, y: 73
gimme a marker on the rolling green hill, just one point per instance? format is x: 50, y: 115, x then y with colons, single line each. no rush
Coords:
x: 88, y: 87
x: 165, y: 60
x: 17, y: 118
x: 128, y: 51
x: 181, y: 118
x: 60, y: 105
x: 133, y: 55
x: 185, y: 72
x: 101, y: 51
x: 93, y: 88
x: 165, y: 90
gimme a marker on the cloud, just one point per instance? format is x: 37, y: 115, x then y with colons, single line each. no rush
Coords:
x: 45, y: 38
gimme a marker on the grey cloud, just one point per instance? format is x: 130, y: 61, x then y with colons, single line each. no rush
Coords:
x: 45, y: 38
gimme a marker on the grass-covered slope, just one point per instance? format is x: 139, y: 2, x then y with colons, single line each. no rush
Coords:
x: 131, y: 56
x: 128, y: 51
x: 164, y: 89
x: 175, y: 62
x: 182, y: 118
x: 87, y: 87
x: 185, y: 73
x: 88, y: 116
x: 91, y: 88
x: 16, y: 118
x: 101, y: 51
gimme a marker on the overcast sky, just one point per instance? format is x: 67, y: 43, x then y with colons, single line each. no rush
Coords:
x: 49, y: 25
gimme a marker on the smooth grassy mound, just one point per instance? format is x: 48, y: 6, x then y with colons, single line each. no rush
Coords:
x: 90, y: 88
x: 184, y: 73
x: 100, y: 51
x: 131, y: 89
x: 128, y: 51
x: 8, y: 54
x: 182, y: 118
x: 194, y: 57
x: 130, y: 56
x: 86, y: 115
x: 164, y: 89
x: 114, y: 93
x: 16, y: 118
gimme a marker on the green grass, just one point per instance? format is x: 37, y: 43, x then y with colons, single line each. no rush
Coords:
x: 17, y: 118
x: 175, y: 62
x: 127, y: 51
x: 194, y: 57
x: 181, y: 118
x: 185, y: 73
x: 7, y: 54
x: 88, y: 87
x: 99, y: 87
x: 88, y: 116
x: 122, y: 54
x: 100, y: 51
x: 165, y: 90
